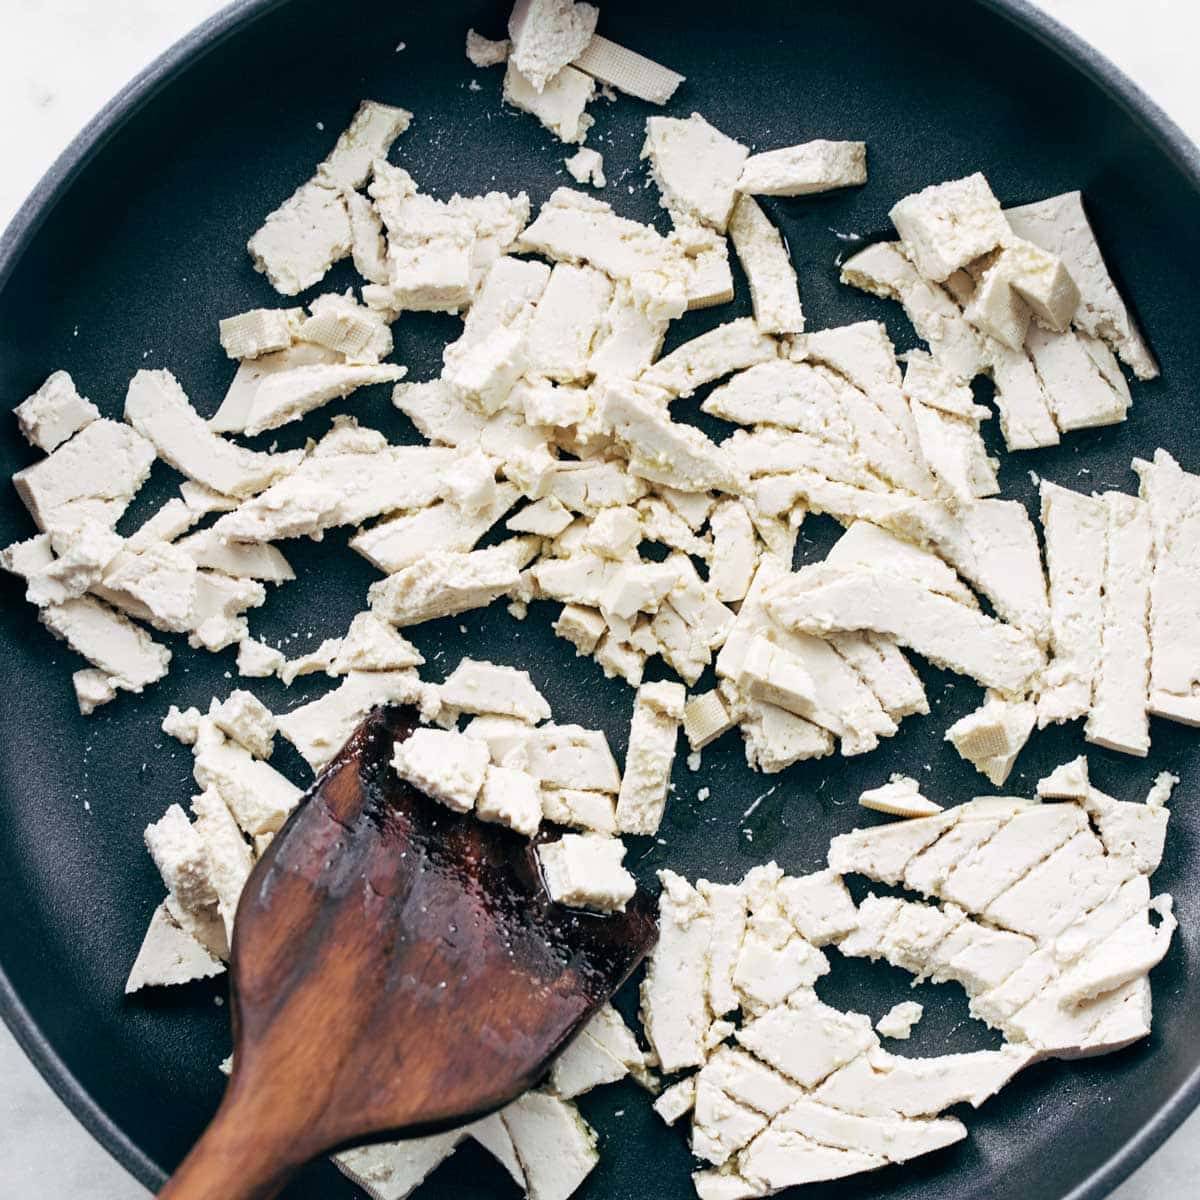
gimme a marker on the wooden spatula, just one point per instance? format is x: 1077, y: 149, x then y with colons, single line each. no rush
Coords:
x: 397, y: 968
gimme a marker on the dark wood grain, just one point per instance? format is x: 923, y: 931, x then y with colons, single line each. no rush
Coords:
x: 397, y: 968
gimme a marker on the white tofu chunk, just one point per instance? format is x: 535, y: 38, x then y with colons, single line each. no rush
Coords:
x: 1066, y: 782
x: 899, y: 797
x: 1083, y: 384
x: 628, y: 340
x: 727, y: 913
x: 582, y: 627
x: 727, y: 348
x: 566, y: 321
x: 169, y: 955
x: 949, y: 634
x: 769, y: 271
x: 547, y: 35
x: 677, y: 1100
x: 1024, y: 410
x: 369, y: 136
x: 182, y: 859
x: 444, y: 764
x: 817, y: 166
x: 720, y: 1125
x: 285, y: 396
x: 1059, y: 225
x: 123, y: 651
x: 674, y: 1005
x: 94, y: 475
x: 229, y: 857
x: 234, y: 410
x: 899, y: 1020
x: 259, y: 331
x: 585, y: 871
x: 869, y: 547
x: 628, y: 71
x: 885, y: 671
x: 695, y: 166
x: 510, y: 797
x: 55, y: 412
x: 240, y: 560
x: 484, y: 687
x: 486, y: 52
x: 353, y: 332
x: 735, y: 553
x: 587, y: 166
x: 371, y: 645
x: 302, y: 238
x: 884, y: 852
x: 93, y: 688
x: 991, y: 737
x: 257, y: 795
x: 554, y: 1144
x: 1118, y: 718
x: 368, y: 247
x: 394, y: 1170
x: 561, y: 105
x: 594, y: 812
x: 948, y: 225
x: 244, y: 718
x: 894, y: 1139
x: 582, y: 1066
x: 705, y: 718
x: 819, y: 906
x: 642, y: 798
x: 257, y: 660
x: 779, y: 1159
x: 569, y: 756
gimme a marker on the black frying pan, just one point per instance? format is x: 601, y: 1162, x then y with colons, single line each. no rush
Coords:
x: 132, y: 248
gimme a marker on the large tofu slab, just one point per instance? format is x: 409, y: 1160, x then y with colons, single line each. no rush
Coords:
x: 158, y: 408
x: 949, y: 634
x: 1060, y: 225
x: 1118, y: 718
x: 695, y: 166
x: 1075, y: 528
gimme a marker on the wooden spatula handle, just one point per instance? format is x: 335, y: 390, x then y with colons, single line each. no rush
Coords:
x: 240, y: 1157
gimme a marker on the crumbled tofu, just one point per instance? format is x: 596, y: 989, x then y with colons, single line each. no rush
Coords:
x: 991, y: 737
x: 181, y: 858
x: 486, y: 52
x: 302, y: 238
x: 259, y: 797
x: 445, y: 764
x: 257, y: 660
x: 818, y: 166
x: 244, y: 718
x: 949, y: 225
x: 652, y: 734
x: 565, y: 322
x: 561, y: 105
x: 259, y: 331
x: 1066, y: 782
x: 899, y: 1020
x: 123, y: 651
x: 768, y: 266
x: 695, y: 166
x: 615, y: 532
x: 229, y: 857
x: 371, y: 645
x: 569, y: 756
x: 677, y: 1100
x: 582, y: 1066
x: 92, y: 689
x: 169, y: 955
x: 55, y: 412
x: 582, y: 627
x: 899, y: 797
x: 393, y: 1170
x: 547, y: 35
x: 584, y: 871
x: 319, y: 729
x: 593, y: 811
x: 554, y: 1144
x: 368, y: 137
x: 587, y: 166
x: 510, y: 797
x: 93, y: 475
x: 353, y: 332
x: 628, y: 71
x: 730, y: 347
x: 705, y: 718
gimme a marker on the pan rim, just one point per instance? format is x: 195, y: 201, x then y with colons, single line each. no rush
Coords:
x: 207, y: 37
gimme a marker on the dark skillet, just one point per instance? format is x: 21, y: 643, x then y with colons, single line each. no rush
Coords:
x: 131, y: 250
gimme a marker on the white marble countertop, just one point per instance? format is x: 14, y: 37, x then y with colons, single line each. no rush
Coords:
x: 60, y: 60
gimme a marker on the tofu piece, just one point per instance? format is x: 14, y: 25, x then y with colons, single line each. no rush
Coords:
x: 677, y: 1100
x: 510, y: 797
x: 642, y: 798
x: 371, y: 645
x: 766, y: 974
x: 731, y: 347
x: 1118, y: 718
x: 1021, y: 402
x: 949, y: 634
x: 883, y: 270
x: 779, y: 1159
x: 368, y: 247
x: 320, y: 728
x: 674, y: 1004
x: 257, y: 660
x: 444, y: 764
x: 899, y: 797
x: 286, y: 396
x: 884, y: 852
x: 561, y: 105
x: 1042, y: 281
x: 1069, y: 781
x: 398, y: 542
x: 735, y: 553
x: 994, y: 306
x: 593, y: 812
x: 234, y: 410
x: 126, y: 654
x: 885, y: 671
x: 582, y: 1066
x: 302, y: 238
x: 895, y: 1139
x: 720, y: 1125
x: 899, y: 1020
x: 259, y: 331
x: 92, y: 689
x: 991, y: 737
x: 484, y: 687
x: 585, y: 871
x: 769, y: 271
x: 805, y: 169
x: 93, y: 475
x: 569, y: 756
x: 507, y: 739
x: 661, y: 450
x: 695, y: 166
x: 54, y: 413
x: 315, y: 661
x: 244, y: 718
x: 615, y: 533
x: 1083, y: 384
x: 169, y: 955
x: 486, y: 52
x: 587, y: 166
x: 566, y: 321
x: 182, y: 860
x: 257, y: 795
x: 555, y: 1145
x: 807, y: 1040
x: 705, y: 718
x: 709, y: 280
x: 369, y: 136
x: 628, y: 71
x: 327, y: 490
x: 1060, y: 226
x: 628, y: 340
x: 547, y: 35
x: 229, y: 857
x: 819, y: 906
x: 394, y: 1170
x: 727, y: 914
x: 239, y: 560
x: 350, y: 330
x: 948, y: 225
x: 582, y: 627
x: 867, y: 546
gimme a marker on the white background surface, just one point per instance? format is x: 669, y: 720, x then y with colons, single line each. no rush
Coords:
x: 60, y: 60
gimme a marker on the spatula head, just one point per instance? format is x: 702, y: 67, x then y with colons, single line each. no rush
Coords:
x: 400, y: 967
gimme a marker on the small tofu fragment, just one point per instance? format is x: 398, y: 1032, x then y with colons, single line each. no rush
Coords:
x: 569, y: 756
x: 560, y: 105
x: 259, y: 331
x: 555, y: 1145
x: 760, y: 248
x: 595, y: 812
x: 585, y: 871
x: 257, y: 795
x: 695, y: 166
x: 587, y: 166
x: 991, y: 737
x: 948, y: 225
x: 899, y: 1020
x: 368, y: 137
x: 444, y: 764
x: 817, y: 166
x: 705, y: 718
x: 92, y: 689
x: 1084, y: 386
x: 54, y: 413
x: 483, y: 687
x: 169, y: 955
x: 245, y: 719
x: 642, y: 799
x: 628, y: 71
x: 302, y: 238
x: 486, y: 52
x: 899, y: 797
x: 122, y: 650
x: 257, y: 660
x: 547, y: 35
x: 510, y: 797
